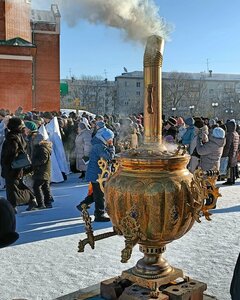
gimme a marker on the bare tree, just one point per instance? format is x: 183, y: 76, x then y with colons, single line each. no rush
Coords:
x: 198, y: 96
x: 92, y: 93
x: 176, y: 89
x: 230, y: 101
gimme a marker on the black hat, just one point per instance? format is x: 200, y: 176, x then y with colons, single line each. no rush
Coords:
x: 198, y: 122
x: 172, y: 121
x: 15, y: 124
x: 7, y: 224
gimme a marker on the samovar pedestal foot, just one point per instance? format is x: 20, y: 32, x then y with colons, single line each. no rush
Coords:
x: 152, y: 283
x: 123, y: 289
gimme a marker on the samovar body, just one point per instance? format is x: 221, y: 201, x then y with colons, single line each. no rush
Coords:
x: 149, y: 202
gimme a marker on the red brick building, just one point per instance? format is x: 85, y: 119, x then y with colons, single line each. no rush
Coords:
x: 29, y: 57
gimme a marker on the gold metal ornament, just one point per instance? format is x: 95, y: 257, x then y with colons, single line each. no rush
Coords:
x: 107, y: 169
x: 151, y: 197
x: 89, y: 231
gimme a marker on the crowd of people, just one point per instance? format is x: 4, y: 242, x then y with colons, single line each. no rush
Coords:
x: 38, y: 148
x: 58, y: 144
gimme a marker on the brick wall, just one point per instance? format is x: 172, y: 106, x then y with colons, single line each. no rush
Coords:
x: 47, y: 72
x: 2, y: 20
x: 17, y: 18
x: 15, y: 84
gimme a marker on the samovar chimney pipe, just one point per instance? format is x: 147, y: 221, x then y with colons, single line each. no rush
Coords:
x: 153, y: 57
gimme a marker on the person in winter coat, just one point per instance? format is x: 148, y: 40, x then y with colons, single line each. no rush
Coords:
x: 235, y: 284
x: 195, y: 157
x: 231, y: 150
x: 82, y: 148
x: 189, y: 134
x: 8, y: 234
x: 41, y: 166
x: 16, y: 191
x: 3, y: 131
x: 170, y: 128
x: 30, y: 130
x: 211, y: 152
x: 181, y: 126
x: 102, y: 147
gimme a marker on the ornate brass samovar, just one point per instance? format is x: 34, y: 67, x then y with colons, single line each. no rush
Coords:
x: 152, y: 198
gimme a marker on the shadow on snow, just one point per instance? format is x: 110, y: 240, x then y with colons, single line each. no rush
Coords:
x: 61, y: 220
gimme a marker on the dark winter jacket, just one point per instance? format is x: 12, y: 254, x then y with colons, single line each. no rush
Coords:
x: 41, y: 162
x: 235, y: 284
x: 210, y: 152
x: 99, y: 150
x: 14, y: 143
x: 232, y: 140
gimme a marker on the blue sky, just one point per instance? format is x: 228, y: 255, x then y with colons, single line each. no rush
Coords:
x: 203, y: 30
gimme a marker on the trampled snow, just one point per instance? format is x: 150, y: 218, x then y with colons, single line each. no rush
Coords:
x: 45, y: 264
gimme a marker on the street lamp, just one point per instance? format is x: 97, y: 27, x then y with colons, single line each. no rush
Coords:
x: 191, y: 107
x: 174, y: 109
x: 214, y: 105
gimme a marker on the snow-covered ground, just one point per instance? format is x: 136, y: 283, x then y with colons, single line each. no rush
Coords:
x: 44, y: 263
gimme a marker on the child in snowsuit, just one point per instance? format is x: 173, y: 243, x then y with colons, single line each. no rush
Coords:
x: 41, y: 164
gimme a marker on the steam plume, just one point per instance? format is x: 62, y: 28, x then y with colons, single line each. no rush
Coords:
x: 138, y: 19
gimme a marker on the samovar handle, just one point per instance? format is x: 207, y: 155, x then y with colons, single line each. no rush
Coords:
x: 203, y: 185
x: 108, y: 169
x: 91, y: 239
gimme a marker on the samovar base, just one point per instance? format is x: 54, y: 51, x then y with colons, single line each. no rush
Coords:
x: 152, y: 283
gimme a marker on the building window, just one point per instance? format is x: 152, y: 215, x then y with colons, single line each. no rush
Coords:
x: 138, y: 93
x: 138, y: 84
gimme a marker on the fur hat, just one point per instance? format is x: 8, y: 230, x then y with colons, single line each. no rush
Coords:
x: 31, y: 126
x: 218, y: 133
x: 15, y: 124
x: 198, y: 122
x: 172, y: 121
x: 7, y: 224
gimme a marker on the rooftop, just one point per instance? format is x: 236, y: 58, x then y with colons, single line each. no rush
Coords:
x: 44, y: 16
x: 192, y: 76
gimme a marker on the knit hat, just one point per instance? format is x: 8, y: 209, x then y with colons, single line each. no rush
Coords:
x: 31, y: 126
x: 100, y: 124
x: 107, y: 134
x: 189, y: 121
x: 169, y: 139
x: 7, y: 224
x: 218, y: 133
x: 172, y: 121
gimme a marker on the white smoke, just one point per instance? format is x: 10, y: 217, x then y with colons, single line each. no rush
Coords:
x: 138, y: 19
